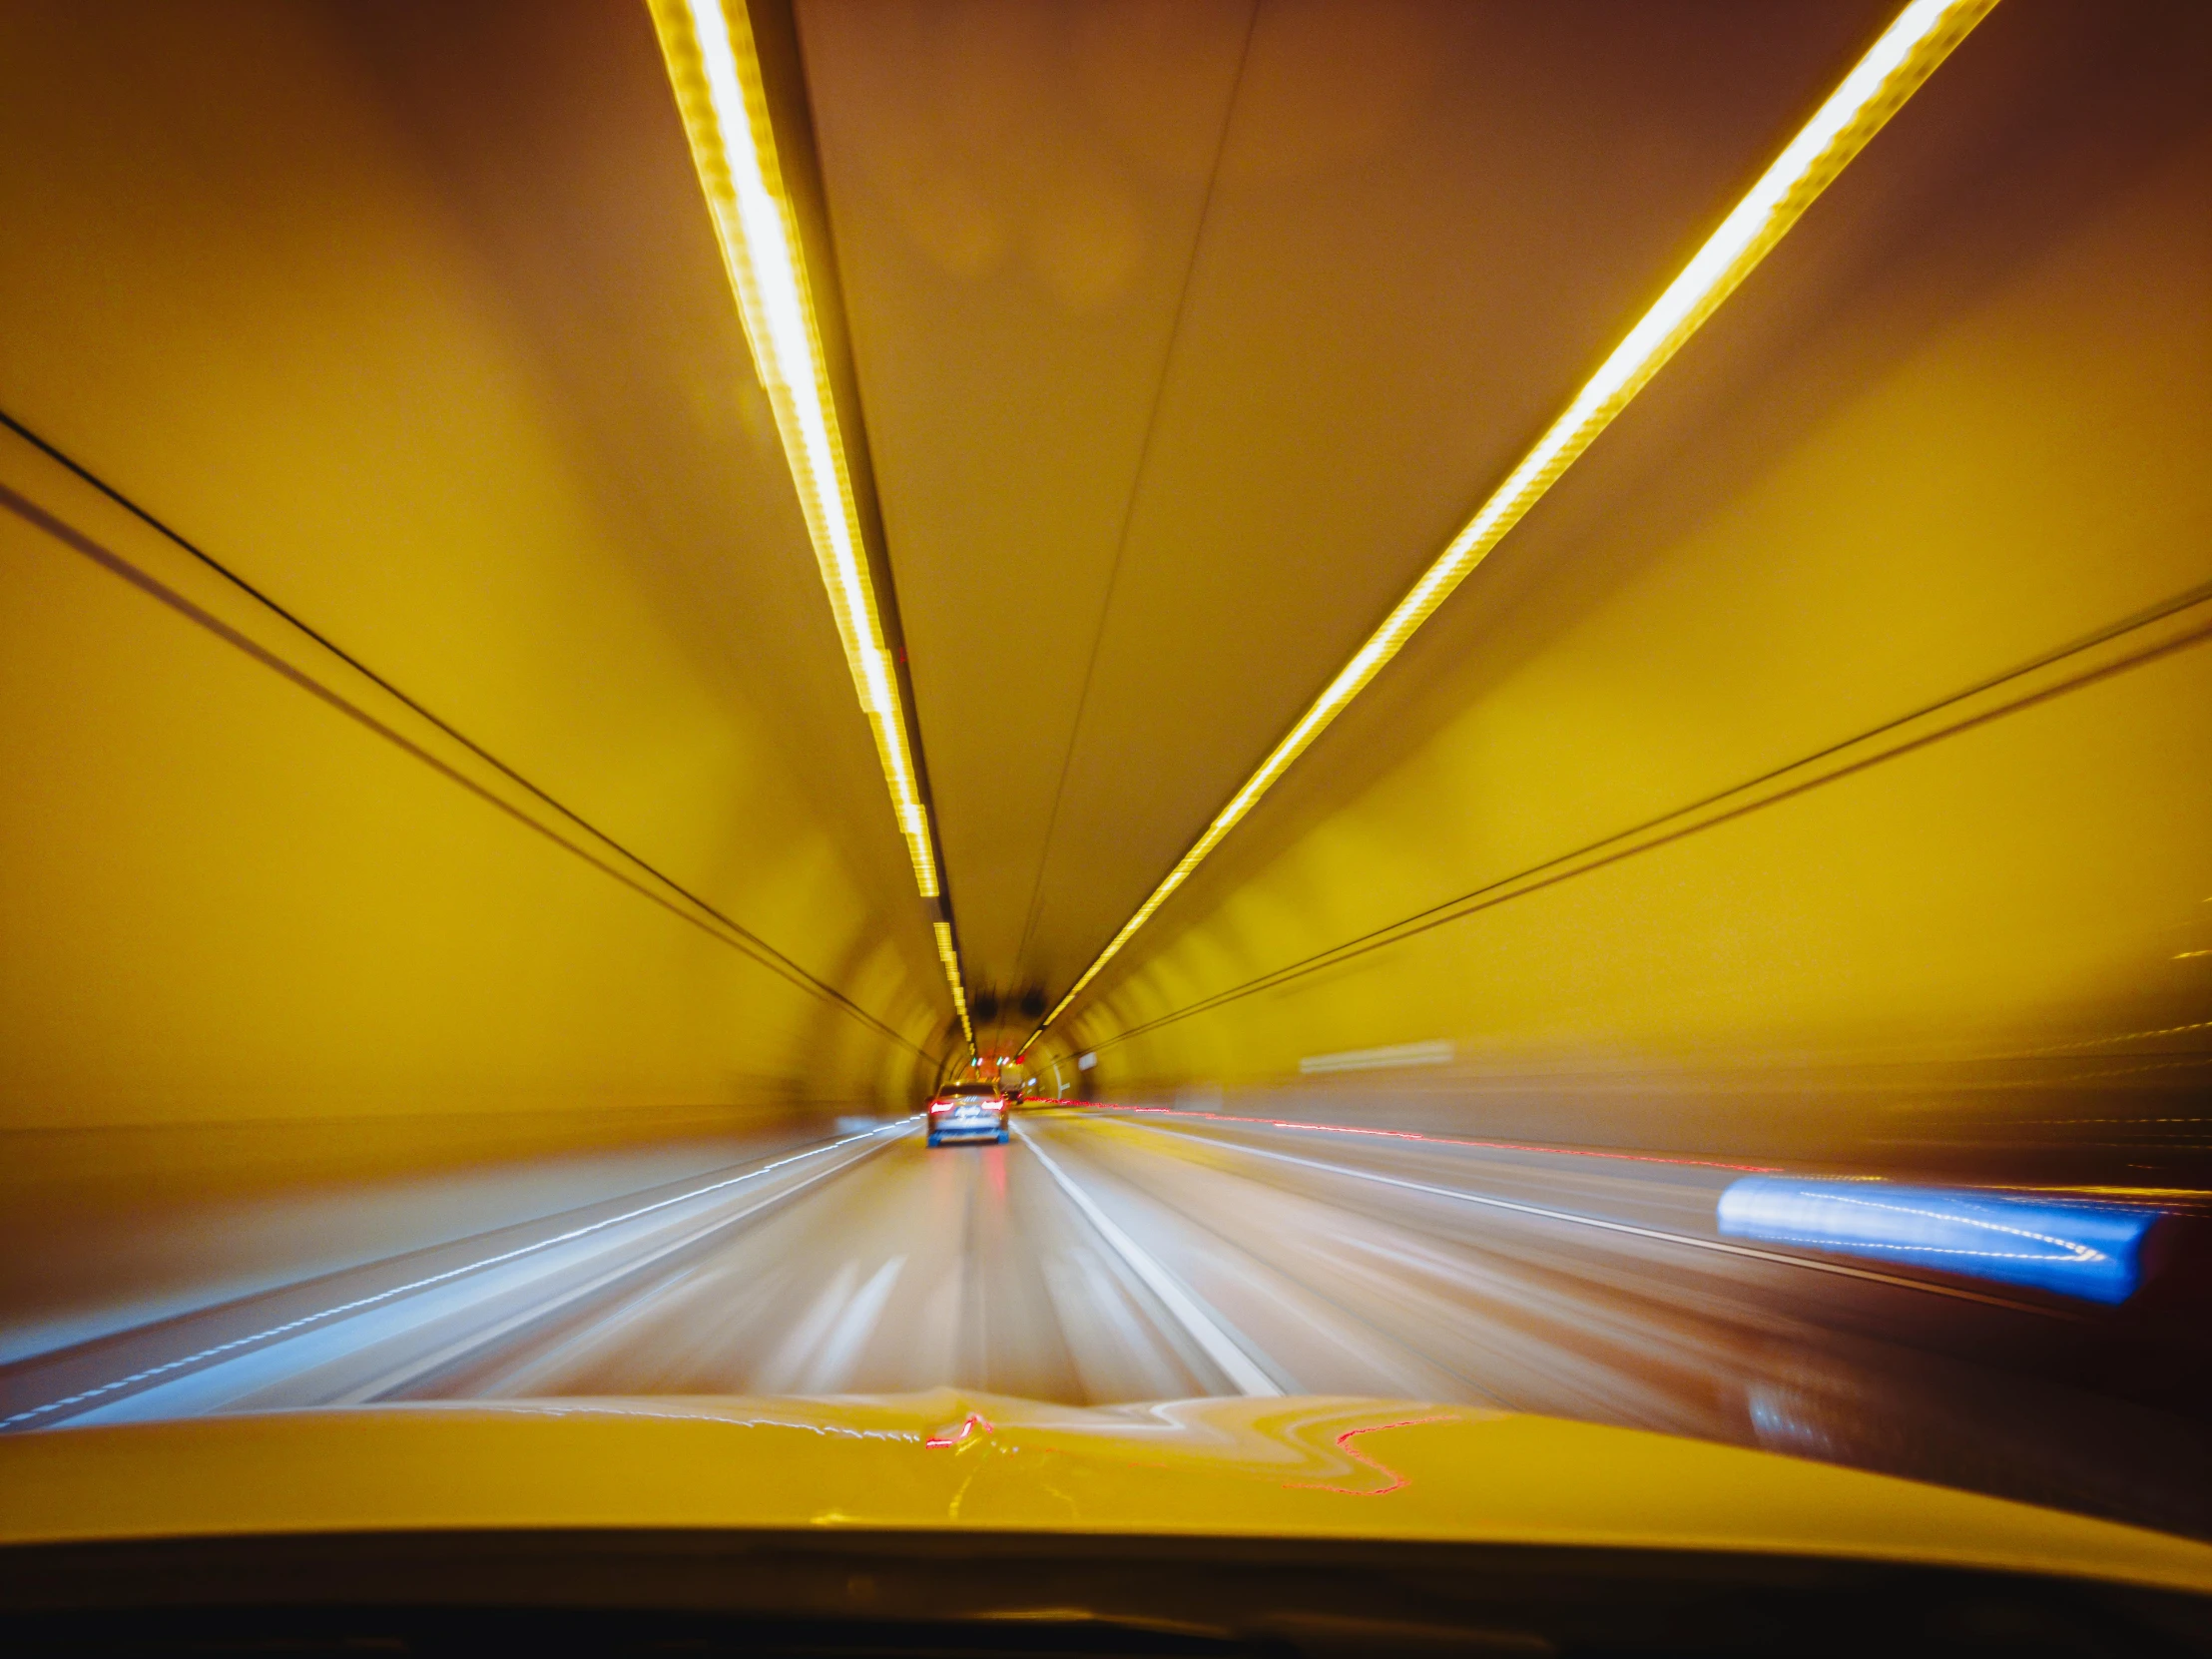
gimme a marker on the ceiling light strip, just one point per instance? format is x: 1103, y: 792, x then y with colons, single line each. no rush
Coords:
x: 716, y: 72
x: 1923, y: 35
x: 950, y: 957
x: 716, y: 78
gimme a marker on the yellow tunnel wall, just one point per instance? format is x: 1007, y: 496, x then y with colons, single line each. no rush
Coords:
x: 1982, y: 455
x: 263, y: 918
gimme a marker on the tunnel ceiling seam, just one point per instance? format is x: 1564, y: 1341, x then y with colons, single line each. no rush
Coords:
x: 2187, y: 620
x: 677, y: 899
x: 1137, y: 477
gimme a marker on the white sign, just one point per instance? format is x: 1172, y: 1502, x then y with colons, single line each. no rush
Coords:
x: 1378, y: 1059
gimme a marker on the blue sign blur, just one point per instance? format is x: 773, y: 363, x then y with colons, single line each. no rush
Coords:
x: 2084, y: 1248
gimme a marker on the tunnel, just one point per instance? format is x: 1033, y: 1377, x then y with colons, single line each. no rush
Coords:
x: 1522, y: 690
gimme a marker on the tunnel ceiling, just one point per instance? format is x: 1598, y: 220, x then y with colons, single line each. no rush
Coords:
x: 1188, y: 334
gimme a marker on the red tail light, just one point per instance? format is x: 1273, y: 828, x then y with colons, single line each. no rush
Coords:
x: 940, y: 1106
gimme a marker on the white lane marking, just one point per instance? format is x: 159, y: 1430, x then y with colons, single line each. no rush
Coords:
x: 306, y: 1320
x: 833, y: 1364
x: 1714, y: 1244
x: 1233, y: 1362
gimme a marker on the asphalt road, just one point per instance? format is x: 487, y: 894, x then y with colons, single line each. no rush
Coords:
x: 1111, y: 1257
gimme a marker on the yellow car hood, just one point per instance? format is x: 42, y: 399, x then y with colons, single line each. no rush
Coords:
x: 1300, y: 1467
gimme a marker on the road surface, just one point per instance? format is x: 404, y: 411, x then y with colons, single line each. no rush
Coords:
x: 1109, y: 1257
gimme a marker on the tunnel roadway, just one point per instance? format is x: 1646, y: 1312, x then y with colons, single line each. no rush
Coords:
x: 1111, y: 1256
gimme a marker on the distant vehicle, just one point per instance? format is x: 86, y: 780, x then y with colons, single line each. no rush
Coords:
x: 968, y: 1112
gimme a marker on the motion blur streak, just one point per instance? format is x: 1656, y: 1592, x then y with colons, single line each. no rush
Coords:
x: 1096, y: 1261
x: 2077, y: 1248
x: 1417, y: 1135
x: 1578, y: 1220
x: 75, y: 1403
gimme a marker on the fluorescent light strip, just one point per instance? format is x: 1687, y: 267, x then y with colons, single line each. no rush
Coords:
x: 950, y: 957
x: 716, y: 72
x: 1893, y: 69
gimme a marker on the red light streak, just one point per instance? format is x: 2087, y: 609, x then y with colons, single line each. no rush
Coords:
x: 974, y: 1423
x: 1344, y: 1446
x: 1441, y: 1140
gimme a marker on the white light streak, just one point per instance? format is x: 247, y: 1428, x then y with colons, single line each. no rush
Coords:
x: 715, y: 74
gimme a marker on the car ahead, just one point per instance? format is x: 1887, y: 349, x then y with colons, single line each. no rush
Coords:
x: 968, y: 1112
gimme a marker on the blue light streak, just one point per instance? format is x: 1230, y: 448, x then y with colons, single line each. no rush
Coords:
x: 2075, y: 1248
